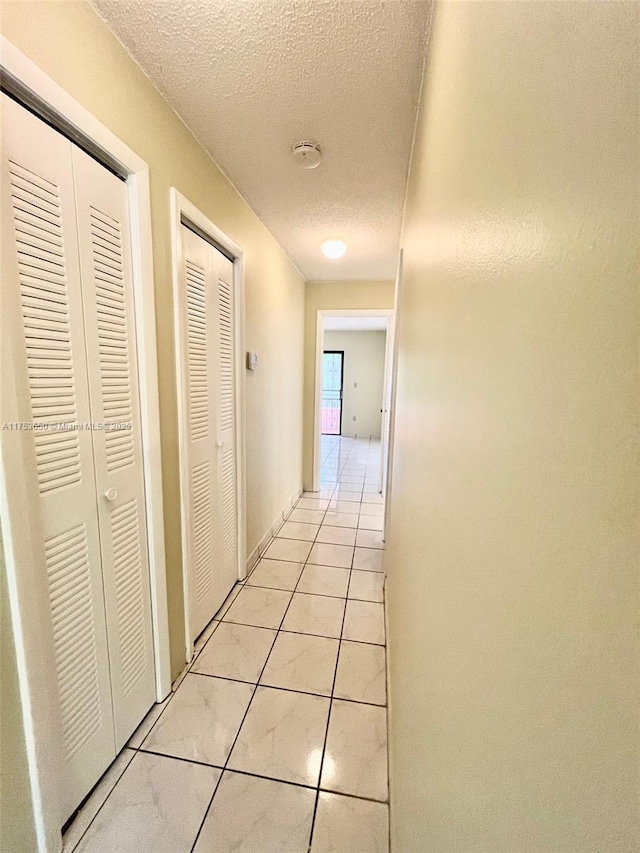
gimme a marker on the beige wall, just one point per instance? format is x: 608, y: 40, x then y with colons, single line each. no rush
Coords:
x: 513, y: 556
x: 364, y: 354
x: 71, y: 44
x: 334, y: 295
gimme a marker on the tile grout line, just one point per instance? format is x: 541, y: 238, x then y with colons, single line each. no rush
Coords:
x: 372, y: 572
x: 78, y: 842
x: 305, y: 633
x: 219, y: 618
x: 237, y: 735
x: 333, y: 687
x: 284, y: 689
x: 326, y: 734
x: 244, y: 717
x: 255, y: 775
x: 167, y: 701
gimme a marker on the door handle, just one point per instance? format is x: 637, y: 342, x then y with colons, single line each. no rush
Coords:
x: 111, y: 494
x: 219, y: 444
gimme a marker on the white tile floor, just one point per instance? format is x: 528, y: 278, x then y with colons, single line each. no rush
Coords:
x: 275, y: 741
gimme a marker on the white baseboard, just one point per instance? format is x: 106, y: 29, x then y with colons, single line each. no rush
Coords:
x: 264, y: 543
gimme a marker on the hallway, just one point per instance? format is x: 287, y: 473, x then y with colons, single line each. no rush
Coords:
x: 275, y: 739
x: 224, y: 217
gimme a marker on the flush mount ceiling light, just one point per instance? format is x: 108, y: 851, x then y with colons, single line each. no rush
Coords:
x: 307, y: 155
x: 334, y: 249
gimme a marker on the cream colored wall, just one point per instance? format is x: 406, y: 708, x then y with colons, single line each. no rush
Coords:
x: 513, y: 554
x: 364, y: 354
x: 71, y: 44
x: 334, y: 295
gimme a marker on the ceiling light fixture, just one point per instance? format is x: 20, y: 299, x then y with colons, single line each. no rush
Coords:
x: 334, y: 249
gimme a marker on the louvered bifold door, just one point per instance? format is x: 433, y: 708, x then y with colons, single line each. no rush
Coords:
x: 109, y: 310
x: 226, y: 420
x: 42, y: 312
x: 204, y: 536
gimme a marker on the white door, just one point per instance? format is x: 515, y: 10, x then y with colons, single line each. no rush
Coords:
x: 227, y: 450
x: 41, y: 295
x: 208, y: 367
x: 96, y: 581
x: 107, y: 287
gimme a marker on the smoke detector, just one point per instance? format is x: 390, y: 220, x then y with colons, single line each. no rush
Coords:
x: 307, y: 155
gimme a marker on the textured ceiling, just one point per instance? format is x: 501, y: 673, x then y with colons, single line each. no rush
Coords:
x: 253, y: 77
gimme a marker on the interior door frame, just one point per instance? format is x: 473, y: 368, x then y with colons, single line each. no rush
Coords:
x: 336, y: 352
x: 387, y: 393
x: 394, y: 346
x: 183, y: 212
x: 35, y: 661
x: 321, y: 315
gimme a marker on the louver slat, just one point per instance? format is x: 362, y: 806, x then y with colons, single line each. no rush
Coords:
x: 67, y: 561
x: 201, y: 499
x: 113, y: 342
x: 128, y: 567
x: 42, y: 276
x: 229, y: 515
x: 225, y: 355
x: 198, y: 372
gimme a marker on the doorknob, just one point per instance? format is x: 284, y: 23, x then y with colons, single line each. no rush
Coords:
x: 111, y: 494
x: 219, y: 444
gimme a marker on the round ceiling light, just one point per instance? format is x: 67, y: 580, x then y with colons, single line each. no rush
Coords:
x: 307, y: 155
x: 334, y: 249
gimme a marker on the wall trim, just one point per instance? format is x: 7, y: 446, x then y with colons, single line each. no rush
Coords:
x: 264, y: 543
x: 390, y: 765
x: 392, y: 379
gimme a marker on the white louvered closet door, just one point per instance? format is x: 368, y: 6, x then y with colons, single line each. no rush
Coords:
x: 109, y: 312
x: 42, y: 310
x: 207, y: 332
x: 226, y: 418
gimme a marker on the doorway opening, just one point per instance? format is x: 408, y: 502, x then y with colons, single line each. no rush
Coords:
x: 353, y: 387
x: 332, y: 391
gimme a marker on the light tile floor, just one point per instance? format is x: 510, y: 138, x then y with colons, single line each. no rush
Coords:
x: 275, y: 740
